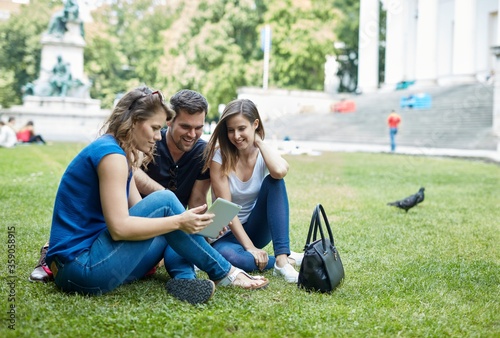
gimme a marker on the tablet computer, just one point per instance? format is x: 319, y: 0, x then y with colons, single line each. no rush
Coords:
x: 224, y: 211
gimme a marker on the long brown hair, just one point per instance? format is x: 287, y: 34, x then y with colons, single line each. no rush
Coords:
x: 219, y: 138
x: 137, y: 105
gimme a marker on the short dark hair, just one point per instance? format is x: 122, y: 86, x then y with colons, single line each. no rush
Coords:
x: 190, y: 101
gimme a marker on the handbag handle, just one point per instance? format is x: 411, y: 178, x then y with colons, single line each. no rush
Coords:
x: 316, y: 223
x: 327, y: 224
x: 312, y: 226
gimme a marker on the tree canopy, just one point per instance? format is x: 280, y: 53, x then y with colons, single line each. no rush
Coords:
x: 212, y: 46
x: 20, y: 49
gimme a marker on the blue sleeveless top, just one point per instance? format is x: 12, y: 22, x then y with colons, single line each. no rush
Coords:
x: 78, y: 218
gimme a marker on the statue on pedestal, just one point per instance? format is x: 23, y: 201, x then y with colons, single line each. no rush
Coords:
x: 60, y: 80
x: 63, y: 41
x: 70, y: 12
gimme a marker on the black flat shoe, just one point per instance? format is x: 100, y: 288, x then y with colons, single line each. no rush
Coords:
x: 193, y: 291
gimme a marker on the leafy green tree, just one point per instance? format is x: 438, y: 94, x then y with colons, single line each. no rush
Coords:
x: 347, y: 31
x: 20, y: 49
x: 125, y: 47
x: 302, y: 36
x: 235, y: 41
x: 213, y: 44
x: 105, y: 65
x: 7, y: 92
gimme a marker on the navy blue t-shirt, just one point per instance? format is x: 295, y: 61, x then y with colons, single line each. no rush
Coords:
x: 188, y: 170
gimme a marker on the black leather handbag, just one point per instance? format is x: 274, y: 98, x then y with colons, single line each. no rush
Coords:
x: 321, y: 268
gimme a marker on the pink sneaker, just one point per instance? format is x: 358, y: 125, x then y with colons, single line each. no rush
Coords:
x: 42, y: 272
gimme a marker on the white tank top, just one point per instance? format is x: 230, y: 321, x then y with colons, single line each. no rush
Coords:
x: 245, y: 193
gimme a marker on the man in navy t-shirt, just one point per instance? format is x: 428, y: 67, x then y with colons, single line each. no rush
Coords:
x: 179, y: 155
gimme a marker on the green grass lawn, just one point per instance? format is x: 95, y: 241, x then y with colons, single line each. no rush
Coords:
x: 431, y: 272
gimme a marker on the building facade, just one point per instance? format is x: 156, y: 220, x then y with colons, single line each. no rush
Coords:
x: 431, y: 42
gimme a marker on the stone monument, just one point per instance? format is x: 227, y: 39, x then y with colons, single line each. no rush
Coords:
x: 59, y: 100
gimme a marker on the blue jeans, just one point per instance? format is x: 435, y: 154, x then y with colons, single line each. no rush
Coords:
x: 108, y: 263
x: 392, y: 133
x: 268, y: 221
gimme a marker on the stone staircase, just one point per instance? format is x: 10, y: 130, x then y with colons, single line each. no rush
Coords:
x: 461, y: 117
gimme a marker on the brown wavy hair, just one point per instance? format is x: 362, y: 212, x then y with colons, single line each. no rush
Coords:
x: 137, y: 105
x: 219, y: 138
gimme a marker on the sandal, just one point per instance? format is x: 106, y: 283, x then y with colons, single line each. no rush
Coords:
x: 233, y: 280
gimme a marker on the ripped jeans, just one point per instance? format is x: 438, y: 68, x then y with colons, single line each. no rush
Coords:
x: 108, y: 264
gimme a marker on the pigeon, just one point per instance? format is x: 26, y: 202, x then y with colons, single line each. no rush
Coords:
x: 410, y: 201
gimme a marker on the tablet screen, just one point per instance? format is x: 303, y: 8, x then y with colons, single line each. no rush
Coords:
x: 224, y: 211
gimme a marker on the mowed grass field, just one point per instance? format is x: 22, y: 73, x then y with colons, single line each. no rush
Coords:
x: 431, y: 272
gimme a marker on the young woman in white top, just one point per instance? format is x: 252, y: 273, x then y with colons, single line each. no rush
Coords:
x: 246, y: 170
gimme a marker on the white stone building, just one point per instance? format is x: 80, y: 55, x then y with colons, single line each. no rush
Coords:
x: 431, y: 42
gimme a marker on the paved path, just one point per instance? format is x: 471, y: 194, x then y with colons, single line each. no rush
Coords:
x: 313, y: 148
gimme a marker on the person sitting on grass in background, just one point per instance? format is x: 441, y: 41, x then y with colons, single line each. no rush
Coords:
x: 180, y: 147
x: 11, y: 122
x: 8, y: 137
x: 27, y: 134
x: 104, y: 235
x: 246, y: 170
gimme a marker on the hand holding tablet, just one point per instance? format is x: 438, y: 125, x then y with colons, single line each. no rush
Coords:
x: 224, y: 211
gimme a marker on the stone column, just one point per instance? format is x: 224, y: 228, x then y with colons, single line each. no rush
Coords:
x: 496, y: 96
x: 394, y: 46
x: 427, y: 26
x: 463, y: 41
x: 498, y: 24
x: 368, y: 46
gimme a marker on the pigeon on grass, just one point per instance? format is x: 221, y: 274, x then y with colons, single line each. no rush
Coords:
x: 410, y: 201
